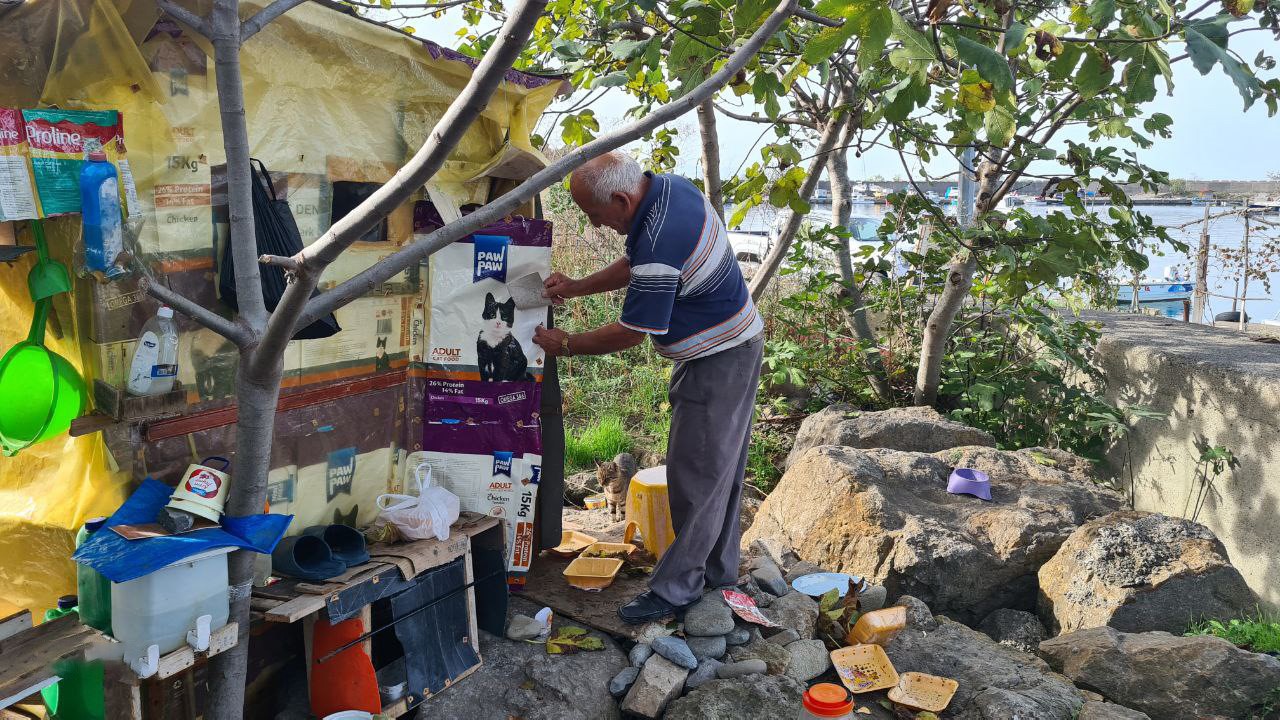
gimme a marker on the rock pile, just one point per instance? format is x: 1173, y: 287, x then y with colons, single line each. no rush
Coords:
x: 886, y: 515
x: 914, y: 429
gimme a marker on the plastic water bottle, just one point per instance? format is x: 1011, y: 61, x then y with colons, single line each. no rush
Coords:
x: 100, y: 213
x: 154, y: 368
x: 94, y: 591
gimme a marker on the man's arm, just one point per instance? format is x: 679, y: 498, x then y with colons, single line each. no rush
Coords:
x: 613, y: 277
x: 603, y: 340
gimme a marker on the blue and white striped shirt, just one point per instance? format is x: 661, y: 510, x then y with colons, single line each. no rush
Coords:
x: 686, y: 289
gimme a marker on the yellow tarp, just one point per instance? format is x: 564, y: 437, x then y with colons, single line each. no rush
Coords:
x: 329, y: 98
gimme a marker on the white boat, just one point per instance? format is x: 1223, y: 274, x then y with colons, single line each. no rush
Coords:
x: 1155, y: 291
x: 1264, y: 205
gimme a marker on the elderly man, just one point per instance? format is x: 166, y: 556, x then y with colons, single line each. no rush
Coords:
x: 684, y: 289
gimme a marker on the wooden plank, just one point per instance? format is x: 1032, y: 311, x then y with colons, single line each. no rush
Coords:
x: 220, y: 640
x: 91, y: 423
x: 27, y: 658
x: 469, y: 576
x: 366, y: 624
x: 261, y: 603
x: 308, y: 643
x: 294, y: 610
x: 123, y: 695
x: 15, y: 621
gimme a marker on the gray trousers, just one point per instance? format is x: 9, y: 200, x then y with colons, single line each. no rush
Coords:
x: 712, y: 403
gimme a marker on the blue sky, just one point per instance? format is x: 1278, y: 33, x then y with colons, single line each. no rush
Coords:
x: 1214, y: 138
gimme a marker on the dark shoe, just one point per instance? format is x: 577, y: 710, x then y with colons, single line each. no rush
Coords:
x: 647, y: 607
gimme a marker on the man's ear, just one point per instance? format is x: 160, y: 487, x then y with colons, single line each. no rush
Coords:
x: 622, y: 200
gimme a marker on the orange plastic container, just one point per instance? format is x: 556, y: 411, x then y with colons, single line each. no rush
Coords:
x: 878, y: 626
x: 864, y: 668
x: 572, y: 542
x: 923, y: 692
x: 606, y: 549
x: 592, y: 573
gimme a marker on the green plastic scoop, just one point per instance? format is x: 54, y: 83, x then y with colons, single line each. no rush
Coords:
x: 40, y: 392
x: 47, y: 277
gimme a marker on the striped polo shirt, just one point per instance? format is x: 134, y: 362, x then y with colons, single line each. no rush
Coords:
x: 686, y: 289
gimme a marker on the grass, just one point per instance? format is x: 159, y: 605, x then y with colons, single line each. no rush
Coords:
x: 1260, y: 633
x: 769, y: 448
x: 596, y: 443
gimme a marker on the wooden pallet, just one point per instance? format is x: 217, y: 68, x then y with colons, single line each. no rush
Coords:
x: 28, y: 655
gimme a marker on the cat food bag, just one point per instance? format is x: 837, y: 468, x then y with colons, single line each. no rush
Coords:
x: 60, y: 140
x: 477, y: 333
x: 17, y: 196
x: 483, y: 443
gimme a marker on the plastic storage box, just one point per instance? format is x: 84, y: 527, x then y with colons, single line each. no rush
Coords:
x: 158, y: 609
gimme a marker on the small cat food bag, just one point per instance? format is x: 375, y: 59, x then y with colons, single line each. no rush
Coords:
x: 476, y: 331
x: 17, y: 196
x: 59, y: 142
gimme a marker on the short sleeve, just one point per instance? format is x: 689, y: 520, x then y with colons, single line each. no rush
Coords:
x: 651, y: 295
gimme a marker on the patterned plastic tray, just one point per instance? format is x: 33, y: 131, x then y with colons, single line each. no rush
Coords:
x: 923, y: 692
x: 864, y: 668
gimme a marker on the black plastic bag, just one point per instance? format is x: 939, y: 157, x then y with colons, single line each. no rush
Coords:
x: 277, y: 235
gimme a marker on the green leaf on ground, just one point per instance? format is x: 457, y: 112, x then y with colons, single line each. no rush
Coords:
x: 568, y: 640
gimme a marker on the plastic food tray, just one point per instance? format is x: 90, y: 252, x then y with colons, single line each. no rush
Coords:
x: 878, y: 626
x: 923, y: 692
x: 572, y: 542
x: 608, y: 547
x: 864, y: 668
x: 592, y: 573
x: 595, y: 502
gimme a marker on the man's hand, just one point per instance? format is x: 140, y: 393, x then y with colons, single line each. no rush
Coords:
x: 552, y: 341
x: 559, y: 286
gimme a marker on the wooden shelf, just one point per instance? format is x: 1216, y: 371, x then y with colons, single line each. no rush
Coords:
x: 27, y: 657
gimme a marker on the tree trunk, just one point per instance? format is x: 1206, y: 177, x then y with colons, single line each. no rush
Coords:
x: 769, y: 268
x: 255, y: 422
x: 938, y: 327
x: 855, y: 312
x: 711, y: 156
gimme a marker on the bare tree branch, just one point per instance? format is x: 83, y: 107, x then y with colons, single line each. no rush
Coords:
x: 288, y: 263
x: 370, y: 278
x: 762, y: 120
x: 237, y: 334
x: 444, y: 137
x: 814, y: 17
x: 185, y: 16
x: 250, y: 27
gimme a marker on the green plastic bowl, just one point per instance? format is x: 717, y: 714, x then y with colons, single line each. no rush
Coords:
x: 40, y: 392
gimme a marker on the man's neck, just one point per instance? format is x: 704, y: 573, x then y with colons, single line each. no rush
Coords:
x: 637, y: 199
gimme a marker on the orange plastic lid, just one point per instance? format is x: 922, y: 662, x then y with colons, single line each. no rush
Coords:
x: 827, y: 700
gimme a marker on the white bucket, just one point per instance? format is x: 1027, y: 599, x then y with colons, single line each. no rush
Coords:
x: 203, y: 490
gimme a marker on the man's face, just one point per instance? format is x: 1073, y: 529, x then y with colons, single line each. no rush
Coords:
x: 615, y: 214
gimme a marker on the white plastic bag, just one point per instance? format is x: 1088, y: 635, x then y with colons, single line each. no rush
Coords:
x: 427, y: 515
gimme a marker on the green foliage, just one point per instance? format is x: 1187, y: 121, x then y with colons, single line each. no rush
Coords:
x: 569, y: 639
x: 598, y: 442
x: 768, y: 450
x: 1259, y: 633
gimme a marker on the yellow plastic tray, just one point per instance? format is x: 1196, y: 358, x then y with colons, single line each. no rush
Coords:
x: 878, y: 626
x: 572, y: 542
x: 919, y: 691
x: 592, y: 573
x: 625, y: 547
x: 864, y: 668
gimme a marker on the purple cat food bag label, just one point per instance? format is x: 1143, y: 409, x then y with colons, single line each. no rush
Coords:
x: 490, y: 258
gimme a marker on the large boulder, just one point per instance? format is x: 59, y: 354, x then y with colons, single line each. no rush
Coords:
x: 995, y: 681
x: 916, y: 429
x: 1167, y: 676
x: 1138, y: 571
x: 1018, y: 629
x: 887, y: 516
x: 754, y: 696
x: 519, y: 679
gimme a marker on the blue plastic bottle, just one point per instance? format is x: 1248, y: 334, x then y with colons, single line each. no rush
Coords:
x: 100, y: 212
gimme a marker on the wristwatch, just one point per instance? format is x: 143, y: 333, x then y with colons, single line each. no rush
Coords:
x: 564, y: 346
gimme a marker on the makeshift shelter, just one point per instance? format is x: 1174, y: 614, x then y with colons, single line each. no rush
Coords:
x: 335, y: 105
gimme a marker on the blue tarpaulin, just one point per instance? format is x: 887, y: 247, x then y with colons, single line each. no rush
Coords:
x: 121, y: 560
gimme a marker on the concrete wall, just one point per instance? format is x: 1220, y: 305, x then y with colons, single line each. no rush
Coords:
x: 1217, y: 388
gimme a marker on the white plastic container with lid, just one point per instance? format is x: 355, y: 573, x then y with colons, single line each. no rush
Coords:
x: 160, y: 608
x: 154, y: 367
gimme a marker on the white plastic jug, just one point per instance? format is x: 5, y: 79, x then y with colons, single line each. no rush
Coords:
x: 159, y: 608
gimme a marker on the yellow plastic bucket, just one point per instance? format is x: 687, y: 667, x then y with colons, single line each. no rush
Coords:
x: 649, y: 508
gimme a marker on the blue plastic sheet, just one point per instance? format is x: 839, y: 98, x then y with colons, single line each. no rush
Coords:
x: 121, y: 560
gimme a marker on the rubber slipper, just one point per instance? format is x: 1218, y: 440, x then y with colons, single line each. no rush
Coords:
x: 305, y: 557
x: 346, y: 542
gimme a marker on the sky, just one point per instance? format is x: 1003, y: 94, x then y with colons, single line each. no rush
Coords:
x: 1214, y: 138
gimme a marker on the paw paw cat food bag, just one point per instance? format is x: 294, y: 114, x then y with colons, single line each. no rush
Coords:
x: 59, y: 141
x: 17, y: 198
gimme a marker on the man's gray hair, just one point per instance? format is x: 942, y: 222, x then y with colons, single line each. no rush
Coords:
x: 607, y: 174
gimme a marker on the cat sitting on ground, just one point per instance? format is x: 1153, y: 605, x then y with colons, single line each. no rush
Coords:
x: 498, y: 354
x: 615, y: 478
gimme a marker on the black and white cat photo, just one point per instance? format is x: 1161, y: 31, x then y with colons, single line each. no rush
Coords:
x: 498, y: 353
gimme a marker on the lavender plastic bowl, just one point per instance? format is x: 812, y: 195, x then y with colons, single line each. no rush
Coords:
x: 967, y: 481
